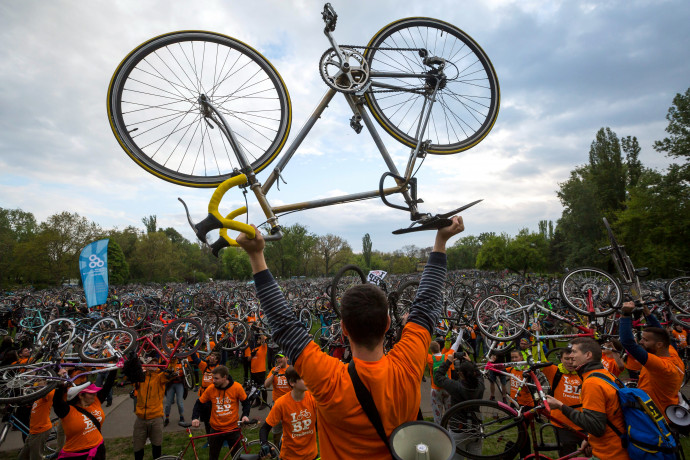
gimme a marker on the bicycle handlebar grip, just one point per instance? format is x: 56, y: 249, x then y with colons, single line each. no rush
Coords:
x: 228, y: 221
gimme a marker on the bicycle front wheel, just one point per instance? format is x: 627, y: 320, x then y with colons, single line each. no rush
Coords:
x: 500, y: 317
x: 155, y: 112
x: 183, y: 337
x: 346, y: 277
x: 232, y: 334
x: 21, y: 383
x: 468, y: 98
x: 253, y: 447
x: 484, y: 429
x: 107, y: 346
x: 588, y: 288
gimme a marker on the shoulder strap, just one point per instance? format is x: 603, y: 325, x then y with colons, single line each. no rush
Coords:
x: 89, y: 415
x: 367, y: 403
x: 614, y: 385
x: 556, y: 380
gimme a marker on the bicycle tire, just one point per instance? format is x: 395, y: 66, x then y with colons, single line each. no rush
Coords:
x: 93, y: 350
x: 578, y: 284
x: 253, y: 447
x: 348, y: 275
x: 678, y: 293
x: 187, y: 374
x: 466, y: 107
x: 405, y: 295
x: 474, y: 419
x: 305, y: 318
x: 163, y: 100
x: 191, y: 333
x: 133, y: 313
x: 66, y: 335
x: 500, y: 317
x: 101, y: 325
x: 17, y: 383
x: 232, y: 334
x: 620, y: 259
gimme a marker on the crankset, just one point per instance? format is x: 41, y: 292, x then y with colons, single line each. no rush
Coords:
x: 434, y: 222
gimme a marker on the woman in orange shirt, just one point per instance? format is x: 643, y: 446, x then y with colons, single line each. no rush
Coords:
x: 82, y: 416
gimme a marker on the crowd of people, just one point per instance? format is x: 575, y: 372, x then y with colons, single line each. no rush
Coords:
x: 317, y: 395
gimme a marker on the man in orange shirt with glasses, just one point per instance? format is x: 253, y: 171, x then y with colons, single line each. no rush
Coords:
x: 393, y: 379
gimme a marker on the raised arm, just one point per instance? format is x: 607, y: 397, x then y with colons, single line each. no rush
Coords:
x: 426, y: 307
x: 626, y: 334
x: 287, y: 331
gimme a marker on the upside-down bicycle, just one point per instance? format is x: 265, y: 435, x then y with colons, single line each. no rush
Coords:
x: 202, y: 109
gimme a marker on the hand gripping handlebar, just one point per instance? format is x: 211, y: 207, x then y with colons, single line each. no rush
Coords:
x: 215, y: 220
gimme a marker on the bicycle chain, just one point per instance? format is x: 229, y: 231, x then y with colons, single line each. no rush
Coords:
x: 387, y: 49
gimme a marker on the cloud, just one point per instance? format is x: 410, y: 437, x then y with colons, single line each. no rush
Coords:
x: 565, y: 69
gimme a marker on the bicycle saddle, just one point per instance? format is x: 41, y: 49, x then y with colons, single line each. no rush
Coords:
x: 184, y: 424
x: 434, y: 222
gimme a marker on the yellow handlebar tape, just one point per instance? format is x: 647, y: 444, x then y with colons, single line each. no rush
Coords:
x: 227, y: 221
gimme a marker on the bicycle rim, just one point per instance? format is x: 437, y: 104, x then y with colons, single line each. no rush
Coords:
x: 154, y: 109
x: 586, y: 285
x: 466, y: 106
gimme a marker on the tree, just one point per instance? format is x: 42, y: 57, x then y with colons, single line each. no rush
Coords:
x: 678, y: 116
x: 149, y: 223
x: 235, y: 264
x: 633, y: 165
x: 118, y: 268
x: 491, y: 256
x: 175, y: 236
x: 607, y: 173
x: 526, y: 252
x: 463, y: 254
x: 157, y: 259
x: 366, y: 249
x: 333, y: 250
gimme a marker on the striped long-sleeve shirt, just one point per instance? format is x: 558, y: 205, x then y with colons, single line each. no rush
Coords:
x: 290, y: 334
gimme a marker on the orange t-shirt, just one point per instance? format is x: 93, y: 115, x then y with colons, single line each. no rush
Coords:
x: 661, y: 378
x: 80, y: 432
x: 567, y: 391
x: 280, y: 385
x: 393, y: 381
x: 632, y: 364
x: 299, y: 426
x: 599, y: 396
x: 225, y: 406
x: 611, y: 365
x: 522, y: 396
x: 259, y: 359
x: 681, y: 337
x: 206, y: 376
x: 40, y: 414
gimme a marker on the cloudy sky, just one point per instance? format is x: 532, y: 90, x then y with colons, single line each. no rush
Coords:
x: 566, y: 69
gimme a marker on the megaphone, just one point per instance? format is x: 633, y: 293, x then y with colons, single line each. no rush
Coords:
x: 679, y: 417
x: 421, y: 440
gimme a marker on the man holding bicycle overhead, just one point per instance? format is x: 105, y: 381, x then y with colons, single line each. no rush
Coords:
x: 662, y: 369
x: 393, y: 379
x: 222, y: 400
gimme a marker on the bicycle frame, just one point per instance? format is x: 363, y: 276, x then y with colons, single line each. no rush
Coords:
x: 192, y: 438
x: 405, y: 184
x: 528, y: 417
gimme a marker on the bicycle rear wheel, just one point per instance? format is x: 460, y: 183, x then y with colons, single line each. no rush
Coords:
x: 19, y: 383
x: 583, y: 285
x: 104, y: 346
x: 252, y: 447
x: 467, y: 102
x: 500, y: 317
x: 156, y: 116
x: 348, y: 276
x: 678, y: 292
x: 185, y: 334
x: 232, y: 334
x: 487, y: 427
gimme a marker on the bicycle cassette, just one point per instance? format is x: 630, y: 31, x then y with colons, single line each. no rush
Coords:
x: 349, y: 76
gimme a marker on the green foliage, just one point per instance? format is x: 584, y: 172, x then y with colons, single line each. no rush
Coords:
x: 678, y: 116
x: 463, y: 254
x: 295, y: 254
x: 366, y: 249
x: 118, y: 268
x: 492, y: 254
x: 527, y: 252
x: 149, y: 223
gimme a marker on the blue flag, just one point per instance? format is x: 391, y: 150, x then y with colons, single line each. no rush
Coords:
x: 93, y: 266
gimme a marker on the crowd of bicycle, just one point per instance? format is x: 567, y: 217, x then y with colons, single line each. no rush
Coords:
x: 494, y: 327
